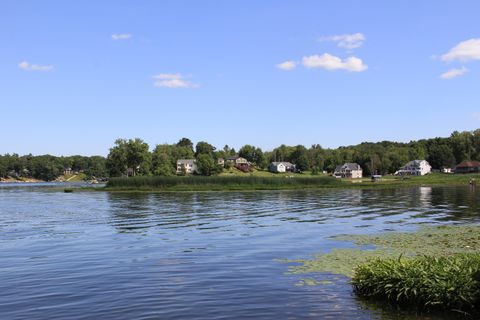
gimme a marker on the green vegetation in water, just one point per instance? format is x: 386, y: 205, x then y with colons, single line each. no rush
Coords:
x: 179, y: 183
x: 425, y: 283
x: 435, y: 241
x: 312, y: 282
x: 273, y: 182
x: 433, y: 268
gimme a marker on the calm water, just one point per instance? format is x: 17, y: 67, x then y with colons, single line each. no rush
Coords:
x: 96, y: 255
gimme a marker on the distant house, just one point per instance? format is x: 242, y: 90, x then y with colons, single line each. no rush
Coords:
x: 348, y: 170
x: 67, y: 171
x: 236, y: 160
x: 221, y: 162
x: 415, y: 168
x: 131, y: 172
x: 281, y: 167
x: 446, y: 170
x: 468, y: 167
x: 188, y: 166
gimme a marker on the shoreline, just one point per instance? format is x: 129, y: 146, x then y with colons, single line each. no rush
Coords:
x: 216, y: 184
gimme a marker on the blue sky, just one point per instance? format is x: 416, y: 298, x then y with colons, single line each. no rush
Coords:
x: 74, y: 76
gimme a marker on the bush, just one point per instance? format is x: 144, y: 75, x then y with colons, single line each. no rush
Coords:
x: 424, y: 283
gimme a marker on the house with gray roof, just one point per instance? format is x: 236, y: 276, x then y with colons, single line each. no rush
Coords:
x: 348, y: 170
x: 415, y: 168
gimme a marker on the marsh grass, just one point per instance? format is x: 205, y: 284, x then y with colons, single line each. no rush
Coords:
x: 219, y: 183
x: 426, y: 283
x: 267, y: 181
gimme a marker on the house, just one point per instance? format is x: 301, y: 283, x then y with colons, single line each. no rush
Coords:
x: 236, y: 160
x: 281, y: 167
x: 68, y: 171
x: 221, y: 162
x: 446, y: 170
x: 131, y: 172
x: 415, y: 168
x: 468, y: 167
x: 186, y: 166
x: 348, y: 170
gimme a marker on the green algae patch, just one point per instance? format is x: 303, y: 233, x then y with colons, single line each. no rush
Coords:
x: 312, y: 282
x: 434, y: 241
x: 438, y: 241
x: 338, y: 261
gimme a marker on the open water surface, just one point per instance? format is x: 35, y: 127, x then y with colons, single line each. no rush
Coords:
x: 205, y: 255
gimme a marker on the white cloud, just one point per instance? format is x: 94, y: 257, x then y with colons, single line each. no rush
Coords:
x: 347, y: 41
x: 121, y: 36
x: 173, y: 81
x: 287, y: 65
x: 464, y: 51
x: 330, y: 62
x: 34, y: 67
x: 453, y: 73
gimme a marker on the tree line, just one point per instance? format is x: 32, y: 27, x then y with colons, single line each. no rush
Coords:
x: 48, y: 167
x: 134, y: 157
x: 381, y: 157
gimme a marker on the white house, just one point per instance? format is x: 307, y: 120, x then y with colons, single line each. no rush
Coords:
x: 348, y: 170
x: 415, y: 168
x: 188, y: 166
x: 281, y: 167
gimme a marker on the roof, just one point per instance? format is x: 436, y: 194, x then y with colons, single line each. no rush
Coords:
x: 186, y: 161
x: 468, y: 164
x: 414, y: 163
x: 287, y: 164
x: 350, y: 166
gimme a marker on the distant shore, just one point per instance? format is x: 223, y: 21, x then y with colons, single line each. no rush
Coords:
x: 251, y: 183
x: 25, y: 180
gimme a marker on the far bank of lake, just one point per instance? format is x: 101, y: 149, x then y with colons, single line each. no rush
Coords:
x: 280, y: 182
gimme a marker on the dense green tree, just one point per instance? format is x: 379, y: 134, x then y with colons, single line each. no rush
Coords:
x: 117, y: 164
x: 138, y: 157
x: 253, y: 155
x: 162, y: 165
x: 206, y: 165
x: 185, y: 142
x: 203, y: 147
x: 441, y: 156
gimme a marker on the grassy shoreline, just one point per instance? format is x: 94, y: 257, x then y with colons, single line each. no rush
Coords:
x: 258, y: 183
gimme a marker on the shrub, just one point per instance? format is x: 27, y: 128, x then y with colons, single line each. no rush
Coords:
x: 425, y: 283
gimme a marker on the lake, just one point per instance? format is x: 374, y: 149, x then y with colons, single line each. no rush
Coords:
x: 196, y: 255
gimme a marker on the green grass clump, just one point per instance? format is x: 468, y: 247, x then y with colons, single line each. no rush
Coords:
x: 426, y: 283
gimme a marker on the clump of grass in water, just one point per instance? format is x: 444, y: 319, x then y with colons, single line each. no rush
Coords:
x: 426, y: 283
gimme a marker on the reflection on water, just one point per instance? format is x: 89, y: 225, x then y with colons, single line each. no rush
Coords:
x: 195, y: 255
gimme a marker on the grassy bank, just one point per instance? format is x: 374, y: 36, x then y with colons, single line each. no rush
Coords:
x: 274, y: 182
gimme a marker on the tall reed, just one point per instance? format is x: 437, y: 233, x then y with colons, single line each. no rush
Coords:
x: 249, y: 182
x: 426, y: 283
